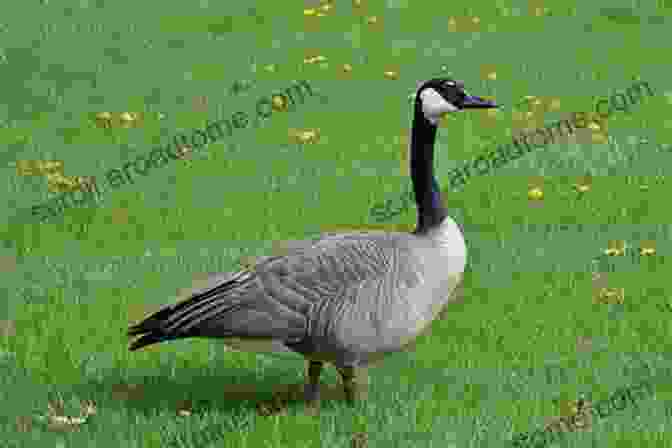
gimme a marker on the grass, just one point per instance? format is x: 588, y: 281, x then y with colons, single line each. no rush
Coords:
x: 72, y: 287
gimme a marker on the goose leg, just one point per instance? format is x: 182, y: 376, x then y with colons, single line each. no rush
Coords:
x: 312, y: 390
x: 348, y: 374
x: 311, y: 393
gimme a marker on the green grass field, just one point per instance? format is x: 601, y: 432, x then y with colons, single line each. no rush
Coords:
x: 529, y: 335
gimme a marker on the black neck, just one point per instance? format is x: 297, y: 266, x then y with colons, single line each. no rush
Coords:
x: 431, y: 211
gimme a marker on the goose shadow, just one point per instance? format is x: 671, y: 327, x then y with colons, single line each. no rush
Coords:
x: 191, y: 390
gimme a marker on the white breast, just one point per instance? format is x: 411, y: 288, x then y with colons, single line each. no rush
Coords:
x: 451, y: 241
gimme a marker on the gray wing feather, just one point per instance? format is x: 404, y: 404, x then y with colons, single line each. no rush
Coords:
x: 275, y: 298
x: 379, y: 294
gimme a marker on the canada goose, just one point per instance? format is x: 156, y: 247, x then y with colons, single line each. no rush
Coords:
x: 350, y: 298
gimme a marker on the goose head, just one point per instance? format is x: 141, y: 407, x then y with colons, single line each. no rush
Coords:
x: 440, y: 96
x: 434, y: 98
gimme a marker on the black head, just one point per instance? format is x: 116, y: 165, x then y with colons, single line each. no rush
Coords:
x: 439, y: 96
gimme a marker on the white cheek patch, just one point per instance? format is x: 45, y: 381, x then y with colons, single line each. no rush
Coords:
x: 433, y: 105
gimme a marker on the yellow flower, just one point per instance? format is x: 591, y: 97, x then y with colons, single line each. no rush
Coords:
x: 452, y: 24
x: 128, y: 118
x: 306, y: 136
x: 535, y: 194
x: 278, y: 103
x: 614, y: 252
x: 615, y: 249
x: 104, y: 119
x: 647, y: 251
x: 611, y: 295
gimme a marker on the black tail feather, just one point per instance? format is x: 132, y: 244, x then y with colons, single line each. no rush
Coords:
x: 149, y: 339
x: 154, y: 322
x: 151, y: 328
x: 221, y: 311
